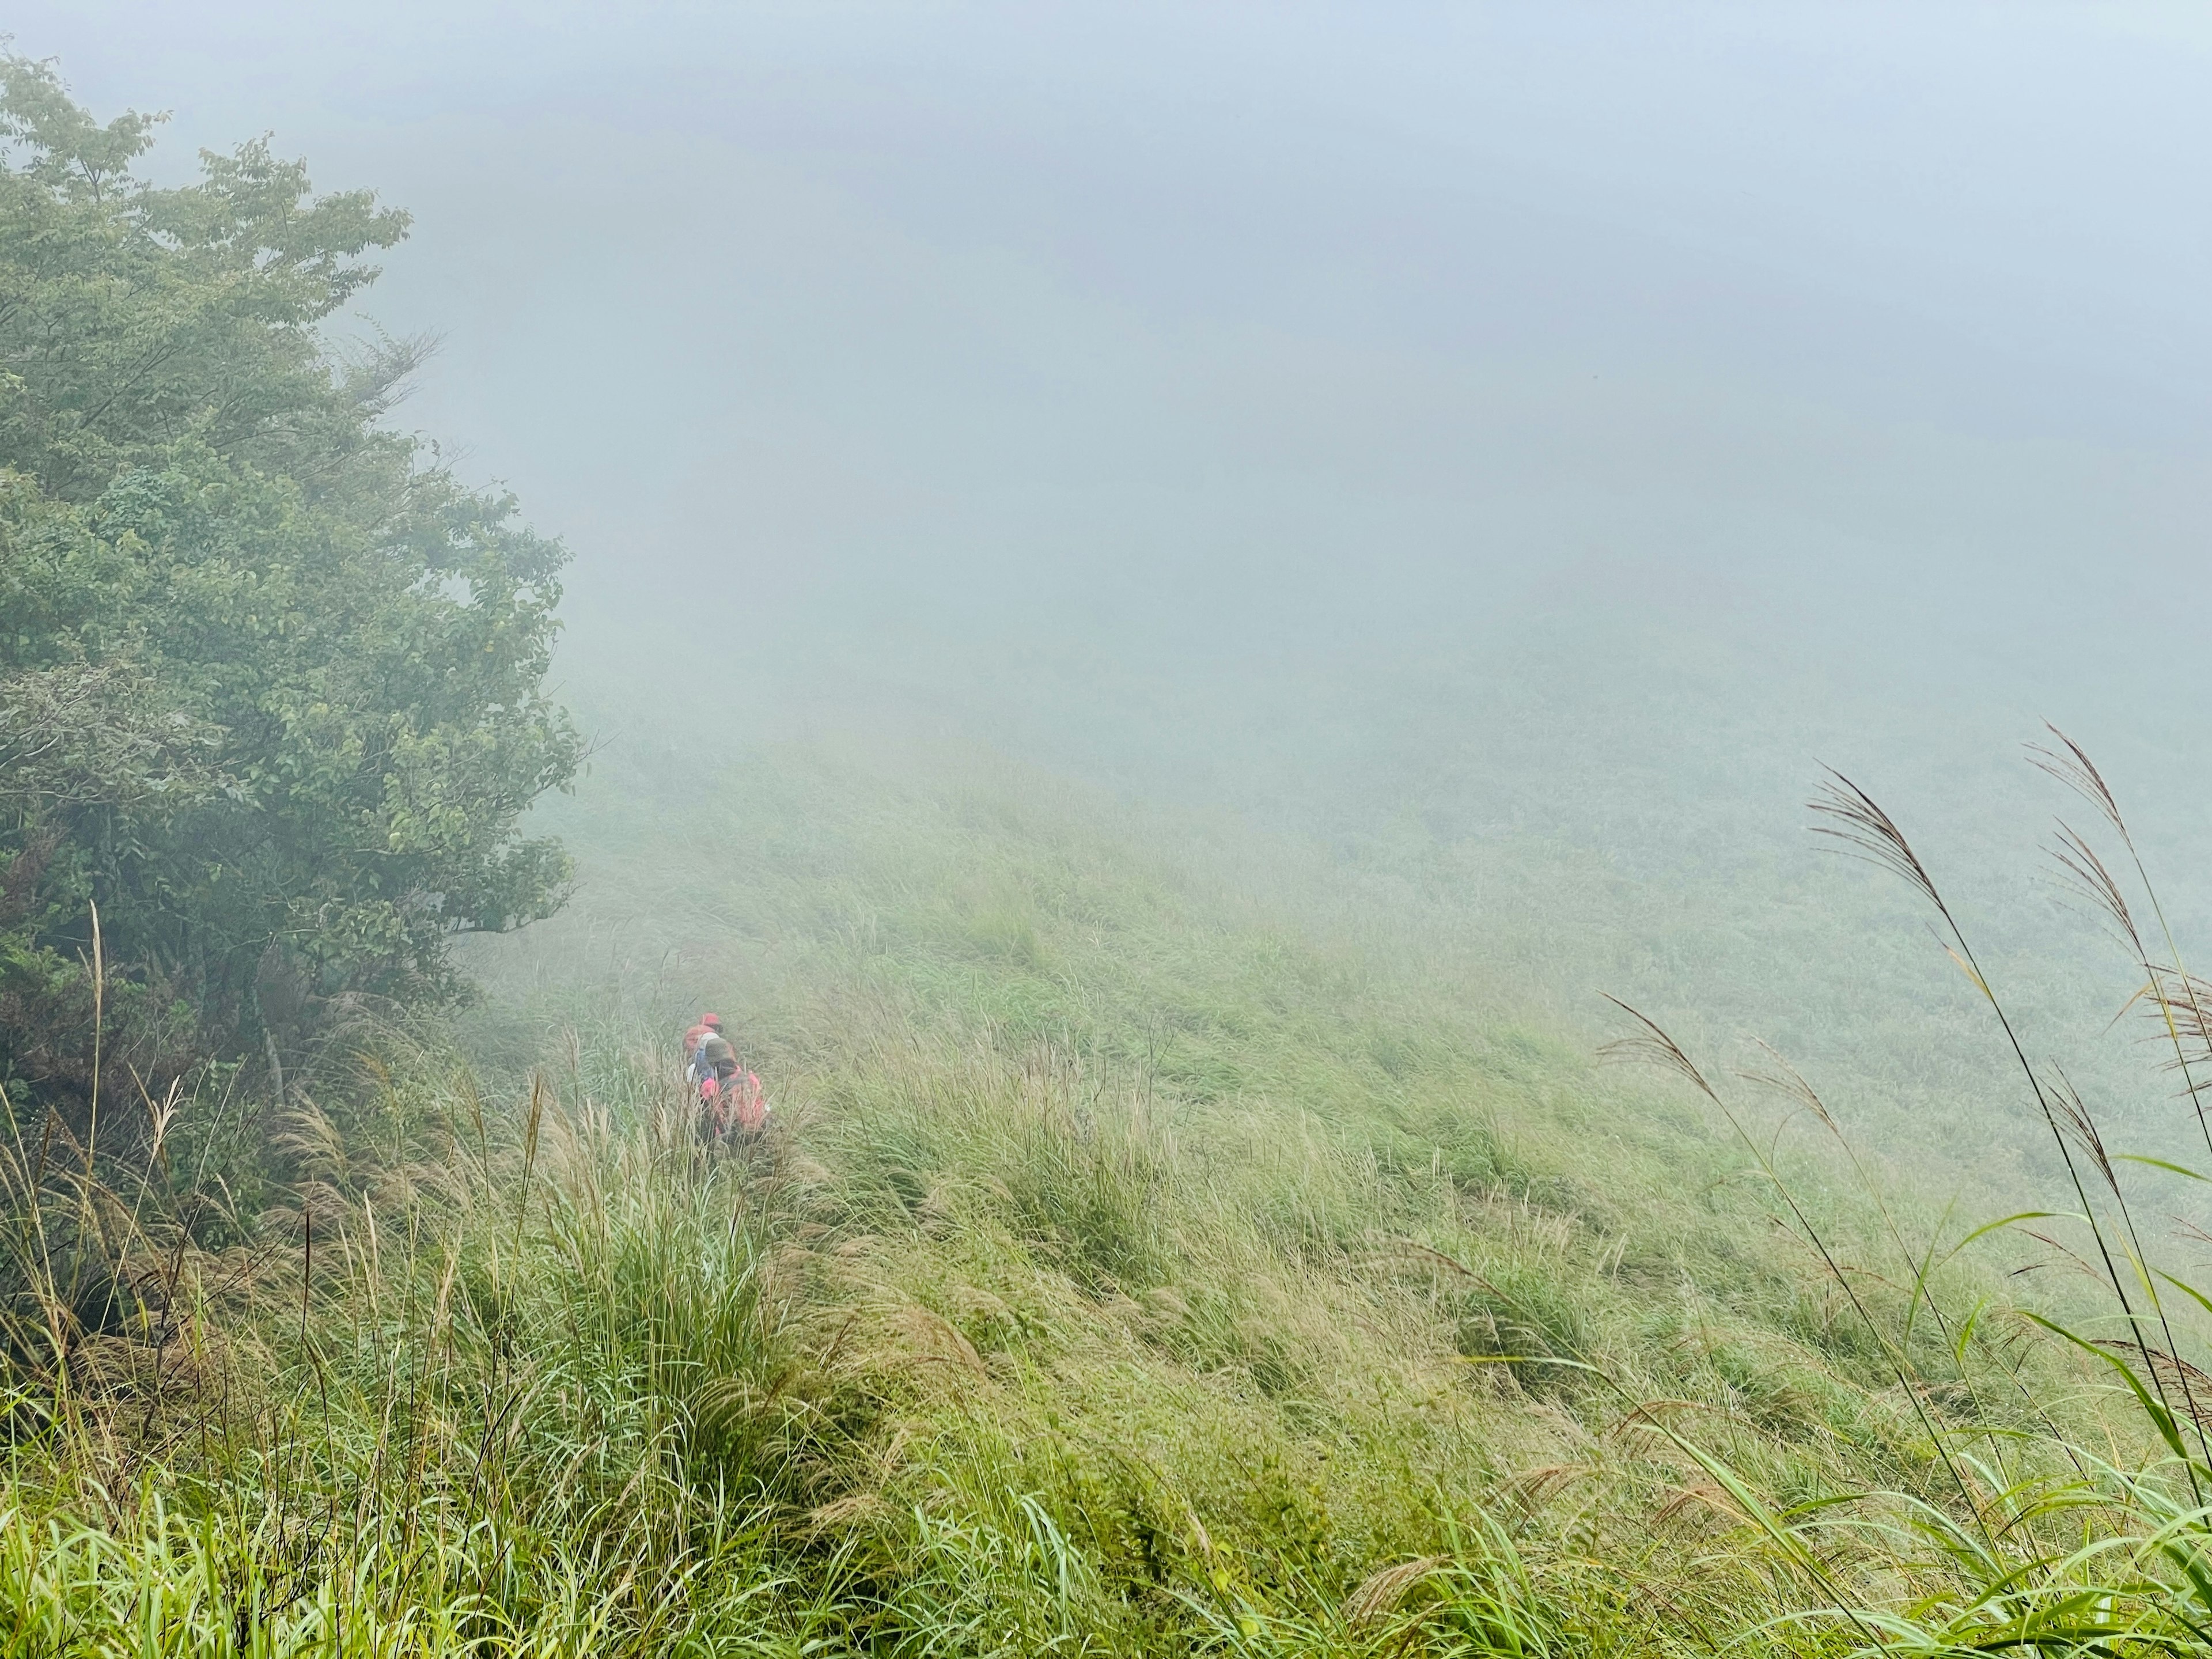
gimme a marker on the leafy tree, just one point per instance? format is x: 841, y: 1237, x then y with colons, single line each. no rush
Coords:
x: 272, y: 679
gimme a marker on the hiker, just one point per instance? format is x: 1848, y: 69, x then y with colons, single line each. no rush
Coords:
x: 730, y: 1100
x: 741, y: 1108
x: 699, y: 1032
x: 709, y: 1053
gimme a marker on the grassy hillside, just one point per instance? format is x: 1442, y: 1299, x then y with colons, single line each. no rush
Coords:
x: 1139, y: 1263
x: 1551, y: 808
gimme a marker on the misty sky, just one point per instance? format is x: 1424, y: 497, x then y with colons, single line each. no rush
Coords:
x: 1710, y: 373
x: 1175, y: 314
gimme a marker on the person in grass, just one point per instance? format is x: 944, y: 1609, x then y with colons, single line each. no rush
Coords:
x: 705, y: 1025
x: 740, y: 1106
x: 731, y: 1099
x: 707, y: 1055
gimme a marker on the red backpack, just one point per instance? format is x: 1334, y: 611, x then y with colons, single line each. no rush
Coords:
x: 744, y: 1108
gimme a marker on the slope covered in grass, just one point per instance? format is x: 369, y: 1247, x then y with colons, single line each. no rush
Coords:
x: 1138, y: 1263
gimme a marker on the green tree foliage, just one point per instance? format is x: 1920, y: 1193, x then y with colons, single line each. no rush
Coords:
x: 271, y: 679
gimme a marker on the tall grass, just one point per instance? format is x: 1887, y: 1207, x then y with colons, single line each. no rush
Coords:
x: 979, y: 1355
x: 500, y: 1386
x: 1122, y: 1281
x: 2071, y: 1531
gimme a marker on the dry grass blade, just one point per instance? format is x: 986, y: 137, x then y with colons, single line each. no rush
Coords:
x: 2081, y: 1263
x: 1381, y: 1592
x: 841, y: 1515
x: 1652, y: 1045
x: 2182, y: 1005
x: 1788, y: 1082
x: 2187, y: 1387
x: 2084, y: 875
x: 2070, y: 764
x: 1704, y: 1495
x: 1649, y: 1413
x: 2074, y: 1117
x: 1428, y: 1252
x: 1868, y: 832
x: 1532, y: 1489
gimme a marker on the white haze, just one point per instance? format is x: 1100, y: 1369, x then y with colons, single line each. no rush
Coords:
x: 1565, y: 421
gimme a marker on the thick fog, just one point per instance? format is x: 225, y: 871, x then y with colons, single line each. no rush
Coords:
x: 1284, y: 321
x: 1394, y: 424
